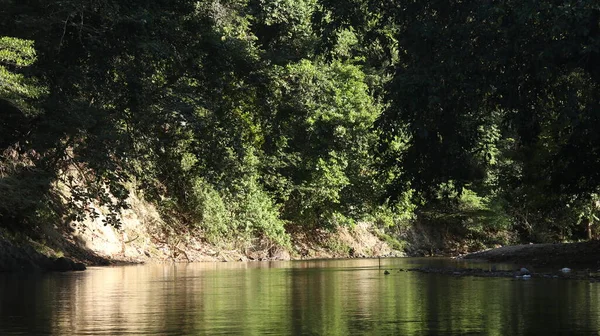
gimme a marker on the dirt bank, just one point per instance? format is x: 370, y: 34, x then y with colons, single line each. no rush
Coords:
x: 563, y: 255
x: 144, y: 238
x: 95, y: 247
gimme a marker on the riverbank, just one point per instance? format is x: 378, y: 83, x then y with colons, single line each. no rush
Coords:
x: 65, y: 252
x: 517, y: 274
x: 21, y: 253
x: 144, y: 237
x: 584, y: 254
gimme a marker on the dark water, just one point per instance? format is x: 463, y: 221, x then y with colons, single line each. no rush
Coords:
x: 343, y: 297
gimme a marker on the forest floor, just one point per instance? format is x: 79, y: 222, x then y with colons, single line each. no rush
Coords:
x: 583, y: 254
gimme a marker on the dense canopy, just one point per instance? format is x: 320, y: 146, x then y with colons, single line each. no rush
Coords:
x: 256, y: 117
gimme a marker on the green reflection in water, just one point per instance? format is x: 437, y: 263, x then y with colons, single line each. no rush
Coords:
x: 343, y: 297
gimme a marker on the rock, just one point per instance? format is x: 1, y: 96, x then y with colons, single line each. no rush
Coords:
x: 279, y: 254
x: 524, y: 270
x: 63, y: 264
x: 565, y: 270
x: 79, y: 267
x: 9, y: 265
x: 526, y: 276
x: 386, y: 272
x: 29, y: 266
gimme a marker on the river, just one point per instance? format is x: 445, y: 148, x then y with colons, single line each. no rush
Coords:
x: 318, y: 297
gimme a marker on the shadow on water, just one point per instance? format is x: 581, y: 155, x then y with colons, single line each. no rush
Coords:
x: 341, y: 297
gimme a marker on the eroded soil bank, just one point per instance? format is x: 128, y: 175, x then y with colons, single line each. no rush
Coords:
x: 69, y: 252
x: 144, y: 238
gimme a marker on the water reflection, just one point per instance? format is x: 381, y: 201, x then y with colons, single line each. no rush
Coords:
x: 345, y: 297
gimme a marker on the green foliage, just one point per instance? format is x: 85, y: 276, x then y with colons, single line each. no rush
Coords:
x: 589, y: 211
x: 398, y: 214
x: 255, y: 213
x: 22, y: 188
x: 320, y: 140
x: 237, y: 117
x: 209, y: 209
x: 283, y: 28
x: 394, y: 243
x: 16, y: 52
x: 484, y: 214
x: 19, y: 91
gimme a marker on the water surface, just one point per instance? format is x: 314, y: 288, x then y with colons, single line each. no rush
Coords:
x: 334, y: 297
